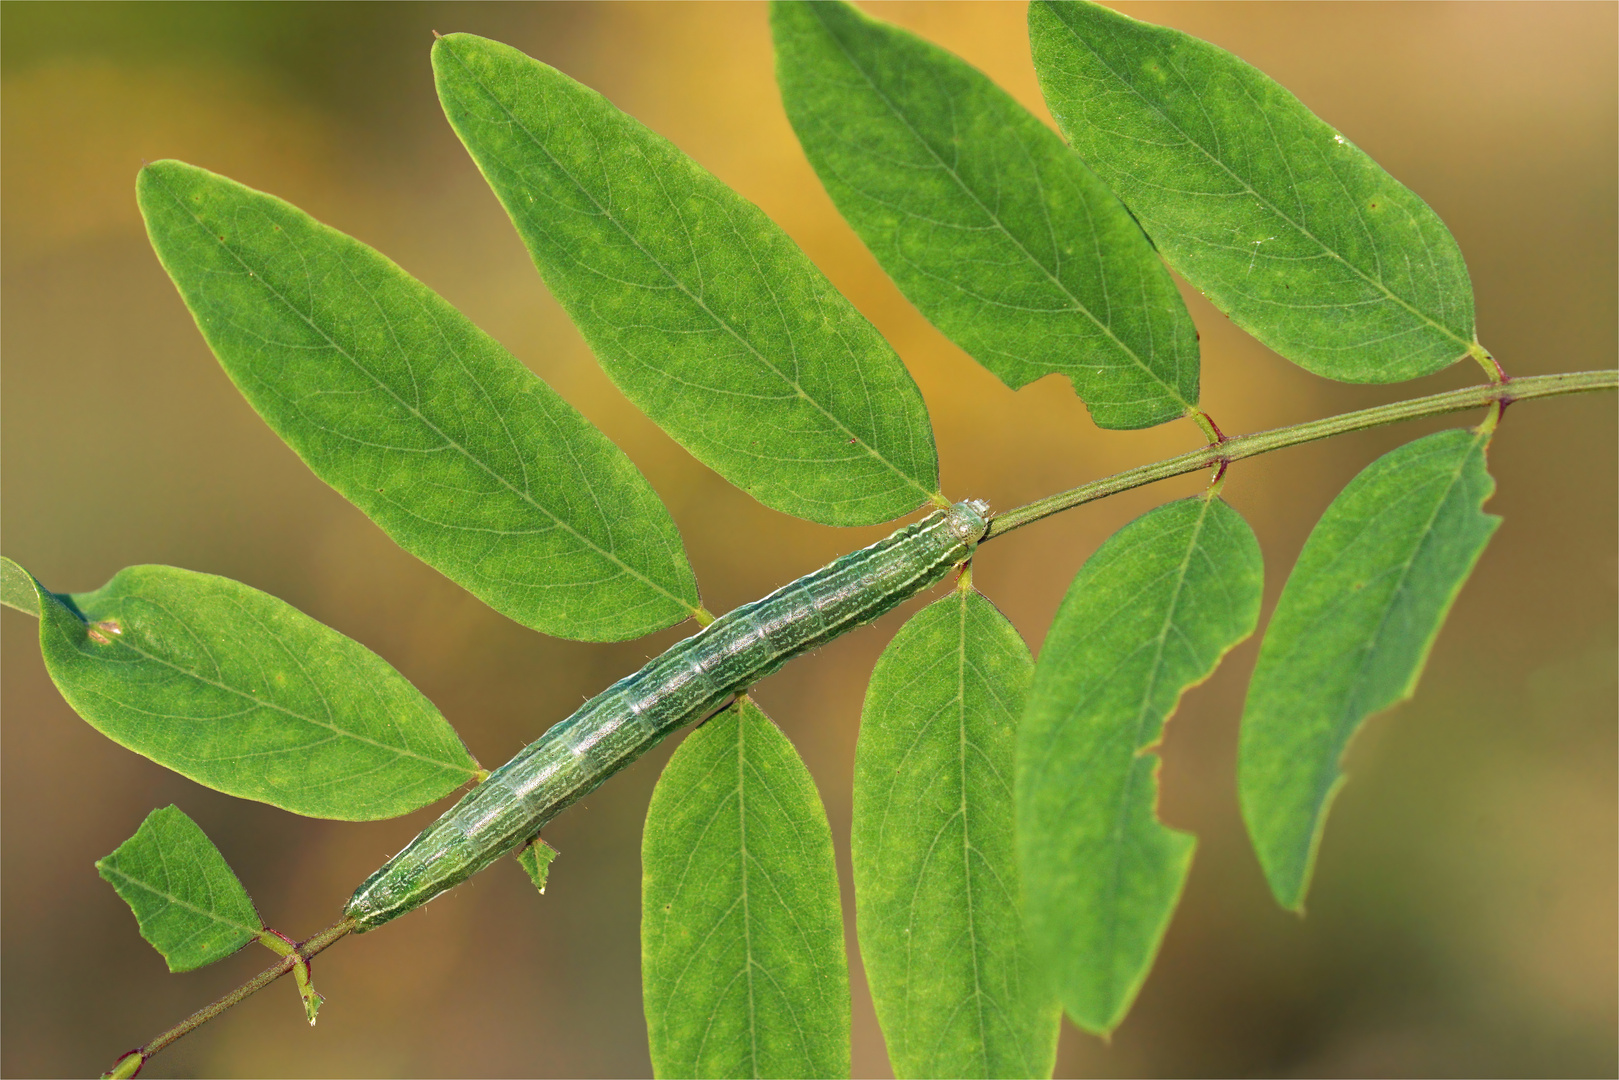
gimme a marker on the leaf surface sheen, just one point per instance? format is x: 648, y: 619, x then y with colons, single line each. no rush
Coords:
x: 696, y: 304
x: 935, y: 859
x: 1288, y: 227
x: 983, y: 217
x: 393, y: 397
x: 742, y: 958
x: 190, y: 905
x: 246, y: 694
x: 1148, y: 616
x: 1351, y: 635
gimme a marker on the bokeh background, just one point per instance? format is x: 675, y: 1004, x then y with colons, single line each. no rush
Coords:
x: 1463, y: 917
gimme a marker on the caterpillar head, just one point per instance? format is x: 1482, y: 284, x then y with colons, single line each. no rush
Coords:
x: 969, y: 520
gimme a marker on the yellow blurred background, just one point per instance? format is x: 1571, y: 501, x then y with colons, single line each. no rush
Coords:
x: 1463, y: 916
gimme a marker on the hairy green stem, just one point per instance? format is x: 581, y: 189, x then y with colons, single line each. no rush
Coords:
x: 1263, y: 442
x: 130, y: 1064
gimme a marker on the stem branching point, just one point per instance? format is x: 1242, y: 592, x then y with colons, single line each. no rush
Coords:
x: 297, y: 957
x: 1235, y: 448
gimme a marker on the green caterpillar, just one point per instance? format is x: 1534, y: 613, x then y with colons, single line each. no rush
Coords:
x: 688, y: 682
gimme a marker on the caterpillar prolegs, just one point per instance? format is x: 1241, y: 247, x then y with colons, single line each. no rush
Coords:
x: 684, y: 684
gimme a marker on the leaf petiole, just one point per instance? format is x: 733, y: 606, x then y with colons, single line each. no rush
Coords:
x: 298, y: 956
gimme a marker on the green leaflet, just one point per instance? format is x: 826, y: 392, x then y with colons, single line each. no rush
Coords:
x: 935, y: 862
x: 1287, y: 226
x: 245, y: 694
x: 743, y: 969
x: 535, y: 859
x: 983, y: 217
x: 188, y: 901
x: 1351, y: 634
x: 1148, y: 616
x: 17, y: 588
x: 190, y: 906
x: 463, y: 456
x: 702, y: 311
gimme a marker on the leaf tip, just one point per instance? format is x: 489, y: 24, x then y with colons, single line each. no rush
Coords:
x: 155, y: 172
x: 18, y: 588
x: 312, y: 1003
x: 535, y: 858
x: 1289, y: 873
x: 444, y: 45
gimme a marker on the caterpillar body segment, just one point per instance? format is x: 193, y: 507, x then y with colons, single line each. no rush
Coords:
x: 689, y: 681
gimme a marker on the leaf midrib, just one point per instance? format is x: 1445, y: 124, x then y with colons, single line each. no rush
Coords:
x: 1357, y: 679
x: 608, y: 215
x: 1116, y: 871
x: 1466, y: 344
x: 448, y: 441
x: 743, y: 900
x: 966, y: 832
x: 212, y: 916
x: 1061, y: 287
x: 332, y: 727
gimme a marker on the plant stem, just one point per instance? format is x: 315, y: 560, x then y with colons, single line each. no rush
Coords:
x: 1263, y: 442
x: 1219, y: 453
x: 130, y: 1064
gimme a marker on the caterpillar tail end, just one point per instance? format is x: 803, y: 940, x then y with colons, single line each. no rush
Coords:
x: 364, y: 913
x: 397, y: 888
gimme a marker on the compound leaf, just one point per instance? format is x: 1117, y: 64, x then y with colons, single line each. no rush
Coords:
x: 983, y: 217
x: 1284, y: 224
x: 1351, y: 634
x: 935, y: 860
x: 462, y: 455
x: 1148, y: 616
x: 698, y: 306
x: 245, y: 694
x: 742, y: 961
x: 190, y: 905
